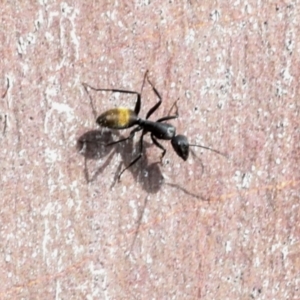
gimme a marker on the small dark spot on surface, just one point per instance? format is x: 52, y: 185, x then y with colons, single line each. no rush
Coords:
x: 31, y: 118
x: 7, y: 87
x: 255, y: 293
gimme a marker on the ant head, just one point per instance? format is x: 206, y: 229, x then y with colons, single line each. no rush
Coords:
x: 181, y: 146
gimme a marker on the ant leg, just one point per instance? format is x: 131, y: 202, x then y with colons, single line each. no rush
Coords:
x: 138, y: 101
x: 109, y: 90
x: 91, y: 100
x: 157, y: 144
x: 167, y: 118
x: 174, y: 104
x: 131, y: 135
x: 170, y: 117
x: 156, y: 106
x: 138, y: 95
x: 137, y: 158
x: 144, y: 79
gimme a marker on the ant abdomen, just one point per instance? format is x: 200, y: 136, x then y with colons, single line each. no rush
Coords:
x: 117, y: 118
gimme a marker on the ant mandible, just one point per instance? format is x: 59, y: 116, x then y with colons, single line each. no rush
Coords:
x: 122, y: 118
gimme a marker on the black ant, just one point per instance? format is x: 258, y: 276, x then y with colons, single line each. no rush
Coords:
x: 122, y: 118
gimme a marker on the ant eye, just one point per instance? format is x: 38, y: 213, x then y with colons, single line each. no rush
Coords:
x: 181, y: 146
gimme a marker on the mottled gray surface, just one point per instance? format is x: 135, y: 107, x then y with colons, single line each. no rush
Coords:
x: 208, y: 228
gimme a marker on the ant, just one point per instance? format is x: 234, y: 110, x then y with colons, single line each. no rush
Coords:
x: 122, y: 118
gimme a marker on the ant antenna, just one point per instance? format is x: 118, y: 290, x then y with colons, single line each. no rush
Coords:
x: 181, y: 147
x: 180, y: 142
x: 208, y: 148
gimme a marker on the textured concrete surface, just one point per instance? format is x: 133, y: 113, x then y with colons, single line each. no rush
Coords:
x: 208, y: 228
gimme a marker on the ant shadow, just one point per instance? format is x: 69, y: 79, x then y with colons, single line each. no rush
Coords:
x: 92, y: 146
x: 101, y: 144
x: 97, y: 144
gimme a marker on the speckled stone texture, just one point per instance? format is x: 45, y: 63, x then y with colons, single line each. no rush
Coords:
x: 208, y: 228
